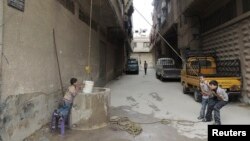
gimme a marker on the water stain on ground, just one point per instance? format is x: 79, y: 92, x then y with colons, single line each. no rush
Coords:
x: 155, y: 108
x: 133, y: 102
x: 156, y: 96
x: 130, y: 98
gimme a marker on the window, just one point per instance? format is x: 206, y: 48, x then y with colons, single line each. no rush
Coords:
x: 146, y: 44
x: 68, y: 4
x: 246, y: 5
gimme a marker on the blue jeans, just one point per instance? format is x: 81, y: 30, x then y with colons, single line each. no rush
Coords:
x: 215, y: 105
x: 204, y: 104
x: 64, y: 110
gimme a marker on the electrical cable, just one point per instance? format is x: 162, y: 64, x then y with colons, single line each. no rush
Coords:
x: 183, y: 60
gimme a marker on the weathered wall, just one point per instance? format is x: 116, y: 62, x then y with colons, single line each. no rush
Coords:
x: 110, y: 62
x: 30, y: 82
x: 186, y: 27
x: 1, y: 44
x: 26, y: 113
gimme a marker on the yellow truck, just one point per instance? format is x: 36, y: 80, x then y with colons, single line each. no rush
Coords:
x: 226, y: 72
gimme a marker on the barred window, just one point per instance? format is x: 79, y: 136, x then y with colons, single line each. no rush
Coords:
x: 68, y: 4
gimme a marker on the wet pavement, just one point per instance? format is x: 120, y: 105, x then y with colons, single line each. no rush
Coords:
x: 145, y: 99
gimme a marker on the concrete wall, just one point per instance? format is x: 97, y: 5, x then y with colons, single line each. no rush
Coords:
x: 139, y: 41
x: 30, y: 78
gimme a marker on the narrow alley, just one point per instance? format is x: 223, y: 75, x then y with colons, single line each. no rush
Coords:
x: 145, y: 99
x: 123, y: 70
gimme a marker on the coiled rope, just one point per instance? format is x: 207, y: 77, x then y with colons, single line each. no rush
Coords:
x: 134, y: 128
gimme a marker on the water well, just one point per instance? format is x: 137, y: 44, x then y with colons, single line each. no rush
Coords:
x: 91, y: 111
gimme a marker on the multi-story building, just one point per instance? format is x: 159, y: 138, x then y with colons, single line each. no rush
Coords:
x: 142, y: 51
x: 165, y: 26
x: 39, y: 38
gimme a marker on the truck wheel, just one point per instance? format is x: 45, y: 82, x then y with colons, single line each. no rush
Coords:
x: 184, y: 89
x: 197, y: 96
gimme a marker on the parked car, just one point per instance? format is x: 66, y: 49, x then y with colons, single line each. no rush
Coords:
x: 166, y: 69
x: 132, y: 66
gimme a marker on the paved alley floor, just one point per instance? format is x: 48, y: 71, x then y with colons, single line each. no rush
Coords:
x: 146, y: 99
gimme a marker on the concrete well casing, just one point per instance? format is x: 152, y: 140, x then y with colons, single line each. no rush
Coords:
x: 91, y: 111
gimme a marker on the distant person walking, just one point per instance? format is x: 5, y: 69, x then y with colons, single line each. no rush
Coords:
x: 145, y: 67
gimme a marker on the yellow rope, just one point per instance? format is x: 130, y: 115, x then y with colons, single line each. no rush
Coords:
x: 88, y: 68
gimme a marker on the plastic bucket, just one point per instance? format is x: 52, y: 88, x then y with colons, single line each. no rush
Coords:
x: 88, y: 88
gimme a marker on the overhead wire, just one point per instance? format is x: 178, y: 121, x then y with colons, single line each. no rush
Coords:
x: 183, y: 60
x: 159, y: 34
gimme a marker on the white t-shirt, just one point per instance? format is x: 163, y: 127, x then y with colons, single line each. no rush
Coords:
x: 205, y: 89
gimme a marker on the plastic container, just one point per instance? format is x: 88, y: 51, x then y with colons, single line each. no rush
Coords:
x: 88, y: 88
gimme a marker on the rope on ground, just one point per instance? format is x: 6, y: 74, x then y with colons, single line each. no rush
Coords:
x: 134, y: 128
x: 123, y: 123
